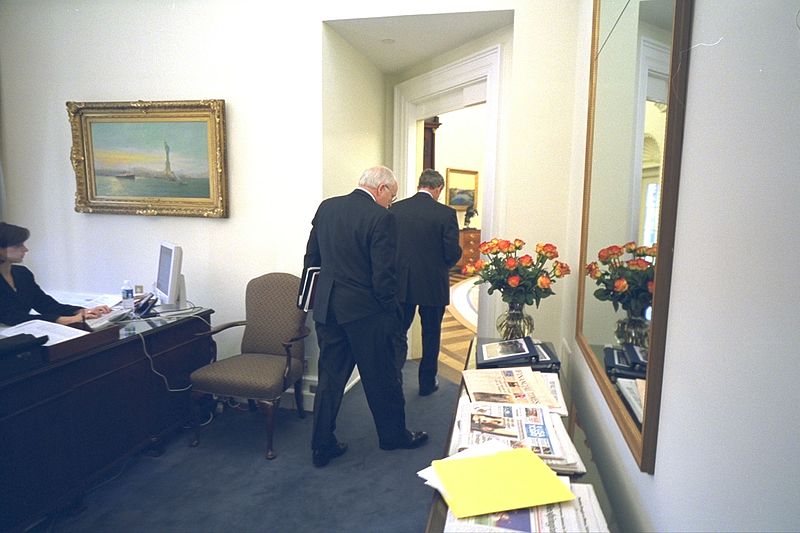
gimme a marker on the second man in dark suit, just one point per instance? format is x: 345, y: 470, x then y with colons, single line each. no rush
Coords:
x: 427, y: 247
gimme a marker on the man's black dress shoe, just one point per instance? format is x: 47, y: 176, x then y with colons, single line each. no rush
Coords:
x: 414, y: 439
x: 323, y: 456
x: 427, y: 391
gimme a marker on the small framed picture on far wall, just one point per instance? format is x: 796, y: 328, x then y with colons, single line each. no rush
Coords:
x: 461, y: 188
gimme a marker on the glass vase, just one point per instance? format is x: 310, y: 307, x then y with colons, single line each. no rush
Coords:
x: 514, y: 323
x: 633, y: 330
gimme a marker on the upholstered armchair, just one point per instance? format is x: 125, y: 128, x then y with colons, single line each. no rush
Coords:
x: 271, y: 358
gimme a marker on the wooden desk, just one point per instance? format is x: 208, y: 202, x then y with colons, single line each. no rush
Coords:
x: 66, y: 424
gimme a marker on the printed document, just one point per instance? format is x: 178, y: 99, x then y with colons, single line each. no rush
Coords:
x: 514, y: 385
x: 517, y: 425
x: 55, y: 332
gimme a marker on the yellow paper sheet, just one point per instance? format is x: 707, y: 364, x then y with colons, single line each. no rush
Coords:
x: 506, y: 480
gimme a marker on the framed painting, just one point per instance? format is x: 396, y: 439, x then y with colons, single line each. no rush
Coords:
x: 461, y: 188
x: 150, y: 158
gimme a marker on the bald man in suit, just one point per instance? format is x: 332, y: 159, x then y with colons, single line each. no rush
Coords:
x: 356, y: 312
x: 427, y: 247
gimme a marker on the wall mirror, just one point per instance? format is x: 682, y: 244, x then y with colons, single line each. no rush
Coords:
x: 637, y: 100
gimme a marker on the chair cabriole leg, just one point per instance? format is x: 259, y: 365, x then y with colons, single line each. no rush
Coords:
x: 270, y: 407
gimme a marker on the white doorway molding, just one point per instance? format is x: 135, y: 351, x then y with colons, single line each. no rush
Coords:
x: 471, y: 80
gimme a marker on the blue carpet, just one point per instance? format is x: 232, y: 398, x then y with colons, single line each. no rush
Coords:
x: 226, y: 485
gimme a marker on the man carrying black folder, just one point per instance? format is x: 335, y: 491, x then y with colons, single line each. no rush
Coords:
x: 356, y: 313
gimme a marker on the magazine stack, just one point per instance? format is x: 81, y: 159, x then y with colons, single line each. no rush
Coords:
x: 508, y: 410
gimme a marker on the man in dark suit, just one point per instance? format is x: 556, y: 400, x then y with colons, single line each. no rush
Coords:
x: 427, y: 247
x: 356, y: 312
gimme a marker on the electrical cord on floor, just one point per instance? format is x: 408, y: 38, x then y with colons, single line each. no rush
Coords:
x: 203, y: 424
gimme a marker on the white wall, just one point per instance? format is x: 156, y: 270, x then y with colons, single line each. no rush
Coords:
x: 460, y: 143
x: 353, y: 115
x: 535, y: 186
x: 727, y: 446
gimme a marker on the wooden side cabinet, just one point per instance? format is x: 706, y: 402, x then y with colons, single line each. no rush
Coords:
x: 469, y: 240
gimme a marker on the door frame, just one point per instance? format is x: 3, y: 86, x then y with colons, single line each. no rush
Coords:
x: 468, y: 81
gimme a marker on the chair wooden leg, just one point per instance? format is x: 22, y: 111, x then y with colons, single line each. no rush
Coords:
x: 195, y: 422
x: 270, y: 408
x: 298, y: 397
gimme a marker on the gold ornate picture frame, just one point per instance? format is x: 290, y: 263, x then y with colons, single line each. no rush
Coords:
x: 150, y: 158
x: 461, y: 188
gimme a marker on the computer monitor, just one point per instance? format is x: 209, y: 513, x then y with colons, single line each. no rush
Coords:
x: 170, y: 283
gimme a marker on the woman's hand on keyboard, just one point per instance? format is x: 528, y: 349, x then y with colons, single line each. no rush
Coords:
x: 96, y: 312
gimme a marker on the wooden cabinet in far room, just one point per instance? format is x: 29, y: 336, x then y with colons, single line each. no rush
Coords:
x: 469, y: 239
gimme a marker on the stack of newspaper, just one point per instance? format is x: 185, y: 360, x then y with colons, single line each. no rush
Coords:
x: 633, y: 391
x: 576, y: 510
x: 581, y: 514
x: 520, y: 408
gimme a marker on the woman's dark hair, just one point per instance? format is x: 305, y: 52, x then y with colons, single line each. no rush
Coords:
x: 11, y: 235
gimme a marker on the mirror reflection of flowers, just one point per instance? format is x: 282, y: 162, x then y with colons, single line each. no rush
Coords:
x: 520, y: 278
x: 626, y: 283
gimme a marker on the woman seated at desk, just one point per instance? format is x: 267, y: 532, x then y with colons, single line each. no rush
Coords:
x: 19, y: 292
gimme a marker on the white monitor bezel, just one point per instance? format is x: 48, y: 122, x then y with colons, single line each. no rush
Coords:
x: 172, y: 296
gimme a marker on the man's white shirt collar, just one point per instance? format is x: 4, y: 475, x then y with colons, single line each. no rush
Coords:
x: 370, y: 194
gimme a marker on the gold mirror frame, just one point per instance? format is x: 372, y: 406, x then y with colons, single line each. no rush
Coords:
x: 643, y: 442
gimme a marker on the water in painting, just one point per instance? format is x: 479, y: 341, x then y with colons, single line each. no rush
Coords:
x: 151, y: 158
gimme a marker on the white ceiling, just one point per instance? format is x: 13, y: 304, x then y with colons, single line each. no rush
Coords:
x: 395, y: 43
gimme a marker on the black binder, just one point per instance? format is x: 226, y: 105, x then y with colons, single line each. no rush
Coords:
x: 619, y: 366
x: 20, y: 353
x: 500, y: 354
x: 546, y: 359
x: 637, y: 356
x: 305, y: 296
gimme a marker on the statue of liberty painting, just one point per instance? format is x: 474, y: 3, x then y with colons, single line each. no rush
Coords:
x: 168, y: 173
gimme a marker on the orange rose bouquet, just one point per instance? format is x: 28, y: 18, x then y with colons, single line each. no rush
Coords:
x: 626, y: 283
x: 521, y: 278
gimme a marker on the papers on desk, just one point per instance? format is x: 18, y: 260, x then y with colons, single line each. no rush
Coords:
x: 571, y: 462
x: 515, y: 385
x: 489, y: 479
x: 581, y: 514
x: 560, y: 507
x: 515, y: 425
x: 514, y: 428
x: 55, y: 332
x: 633, y: 391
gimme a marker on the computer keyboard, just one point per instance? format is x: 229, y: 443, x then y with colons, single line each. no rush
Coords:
x: 109, y: 318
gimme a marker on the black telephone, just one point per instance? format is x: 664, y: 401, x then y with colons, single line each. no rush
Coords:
x: 144, y: 306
